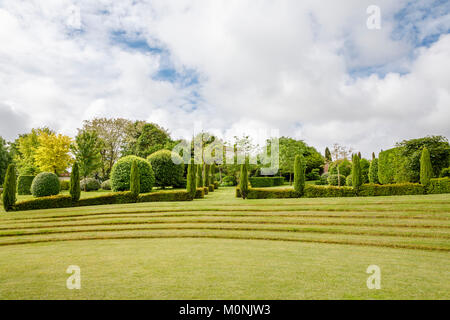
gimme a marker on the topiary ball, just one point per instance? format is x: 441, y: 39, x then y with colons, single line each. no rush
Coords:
x: 45, y: 184
x: 121, y: 171
x: 167, y: 172
x: 106, y: 185
x: 89, y: 184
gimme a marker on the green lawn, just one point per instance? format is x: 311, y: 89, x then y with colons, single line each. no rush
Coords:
x: 221, y: 247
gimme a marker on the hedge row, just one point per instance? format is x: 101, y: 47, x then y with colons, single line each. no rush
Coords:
x: 65, y: 201
x: 200, y: 193
x: 437, y: 186
x: 264, y: 182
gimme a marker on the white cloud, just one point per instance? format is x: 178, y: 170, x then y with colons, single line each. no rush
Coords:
x: 282, y: 64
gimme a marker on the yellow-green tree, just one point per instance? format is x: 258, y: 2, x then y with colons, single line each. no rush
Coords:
x: 52, y: 155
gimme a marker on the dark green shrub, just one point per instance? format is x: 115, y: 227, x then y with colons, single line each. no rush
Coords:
x: 216, y: 185
x: 445, y: 173
x: 373, y: 172
x: 349, y: 181
x: 167, y: 172
x: 89, y: 184
x: 134, y: 180
x: 200, y: 193
x: 75, y: 188
x: 264, y: 182
x: 356, y: 172
x: 45, y: 184
x: 312, y: 191
x: 426, y: 171
x: 106, y: 185
x: 206, y: 189
x: 64, y: 185
x: 243, y: 180
x: 438, y: 186
x: 333, y: 180
x: 182, y: 184
x: 365, y: 167
x: 161, y: 196
x: 121, y: 173
x: 229, y: 181
x: 299, y: 174
x: 9, y: 186
x: 314, y: 175
x: 191, y: 187
x: 211, y: 188
x: 374, y: 190
x: 24, y: 184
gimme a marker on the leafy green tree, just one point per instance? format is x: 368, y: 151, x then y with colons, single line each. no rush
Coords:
x: 152, y: 138
x: 86, y: 150
x: 191, y: 186
x: 299, y: 174
x: 75, y: 189
x: 356, y: 172
x: 112, y: 133
x: 135, y: 184
x: 373, y: 172
x: 9, y: 188
x: 52, y: 155
x: 411, y: 150
x: 243, y: 180
x: 426, y: 169
x: 328, y: 157
x: 5, y: 159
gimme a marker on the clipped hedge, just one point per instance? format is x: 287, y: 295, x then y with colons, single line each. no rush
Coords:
x: 392, y: 167
x: 282, y: 193
x: 438, y: 186
x: 216, y: 185
x: 45, y: 184
x: 312, y: 191
x: 206, y: 189
x: 264, y: 182
x: 51, y: 202
x: 24, y: 184
x: 375, y: 190
x: 165, y: 196
x: 211, y: 188
x: 111, y: 198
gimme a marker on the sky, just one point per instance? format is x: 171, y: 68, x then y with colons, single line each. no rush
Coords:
x: 312, y: 70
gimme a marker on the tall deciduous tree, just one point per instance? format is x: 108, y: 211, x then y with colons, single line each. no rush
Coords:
x: 339, y: 154
x: 53, y: 153
x: 86, y: 150
x: 426, y: 169
x: 113, y: 133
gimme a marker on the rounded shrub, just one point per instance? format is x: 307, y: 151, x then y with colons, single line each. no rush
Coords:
x: 445, y: 173
x: 333, y: 180
x: 89, y: 184
x: 45, y: 184
x: 323, y: 181
x: 168, y: 167
x: 24, y: 184
x: 121, y: 172
x: 106, y: 185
